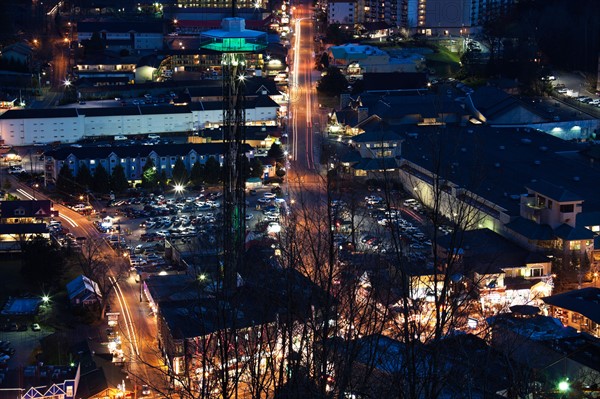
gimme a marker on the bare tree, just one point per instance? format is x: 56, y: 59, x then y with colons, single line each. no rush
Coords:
x: 104, y: 269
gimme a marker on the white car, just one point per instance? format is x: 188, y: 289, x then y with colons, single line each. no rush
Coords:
x: 15, y: 170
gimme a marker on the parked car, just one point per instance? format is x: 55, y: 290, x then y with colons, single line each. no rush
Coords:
x: 35, y: 327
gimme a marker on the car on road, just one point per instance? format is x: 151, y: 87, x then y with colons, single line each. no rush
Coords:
x: 15, y: 170
x: 35, y: 327
x: 145, y: 390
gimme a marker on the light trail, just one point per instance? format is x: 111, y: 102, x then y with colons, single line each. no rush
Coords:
x: 69, y: 220
x: 133, y: 342
x: 25, y: 194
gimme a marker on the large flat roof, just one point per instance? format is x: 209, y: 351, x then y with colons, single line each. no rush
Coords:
x: 499, y: 163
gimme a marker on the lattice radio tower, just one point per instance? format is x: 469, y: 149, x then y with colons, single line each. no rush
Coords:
x: 233, y: 41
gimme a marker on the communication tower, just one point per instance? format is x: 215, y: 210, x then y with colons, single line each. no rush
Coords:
x: 233, y: 41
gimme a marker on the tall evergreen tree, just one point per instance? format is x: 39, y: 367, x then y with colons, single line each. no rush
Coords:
x: 118, y: 181
x: 101, y: 183
x: 65, y: 182
x: 276, y: 152
x: 180, y: 173
x: 84, y: 176
x: 163, y: 180
x: 212, y: 171
x: 197, y: 174
x: 256, y: 167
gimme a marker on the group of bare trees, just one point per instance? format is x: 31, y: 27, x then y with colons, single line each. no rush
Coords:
x: 316, y: 320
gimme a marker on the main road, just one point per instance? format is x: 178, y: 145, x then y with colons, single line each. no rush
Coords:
x: 136, y: 326
x: 304, y: 145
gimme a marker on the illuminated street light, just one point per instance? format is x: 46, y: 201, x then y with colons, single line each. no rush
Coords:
x: 563, y: 386
x: 67, y: 82
x: 179, y: 188
x: 45, y: 299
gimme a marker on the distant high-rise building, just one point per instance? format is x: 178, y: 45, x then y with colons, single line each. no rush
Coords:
x: 342, y: 12
x: 219, y: 3
x: 429, y: 17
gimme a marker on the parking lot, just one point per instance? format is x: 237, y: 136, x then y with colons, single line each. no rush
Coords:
x: 138, y: 226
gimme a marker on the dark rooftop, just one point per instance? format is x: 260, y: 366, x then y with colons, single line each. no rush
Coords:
x: 585, y: 301
x: 499, y: 163
x: 137, y: 150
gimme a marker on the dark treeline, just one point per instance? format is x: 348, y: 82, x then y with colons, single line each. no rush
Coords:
x: 567, y: 31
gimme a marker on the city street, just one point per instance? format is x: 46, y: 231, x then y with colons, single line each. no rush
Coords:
x: 136, y: 325
x: 304, y: 176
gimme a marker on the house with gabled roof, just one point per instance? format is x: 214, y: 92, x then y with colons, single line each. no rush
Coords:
x: 396, y: 109
x: 22, y: 220
x: 83, y: 291
x: 133, y: 158
x: 374, y: 152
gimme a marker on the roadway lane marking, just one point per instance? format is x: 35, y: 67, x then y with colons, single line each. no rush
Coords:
x: 25, y: 194
x: 69, y: 220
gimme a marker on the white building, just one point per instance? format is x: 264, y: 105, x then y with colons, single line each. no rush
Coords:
x: 130, y: 35
x: 68, y: 125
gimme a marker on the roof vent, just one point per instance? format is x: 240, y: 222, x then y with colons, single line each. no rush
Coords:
x: 497, y: 164
x: 576, y: 178
x: 502, y: 147
x: 463, y: 149
x: 526, y: 141
x: 543, y: 148
x: 537, y: 162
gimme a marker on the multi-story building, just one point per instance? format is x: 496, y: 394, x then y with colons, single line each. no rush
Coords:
x: 432, y: 17
x: 133, y: 158
x: 124, y: 35
x: 68, y: 125
x: 343, y: 12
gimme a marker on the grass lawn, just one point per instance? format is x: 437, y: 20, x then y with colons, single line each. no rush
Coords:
x: 444, y: 62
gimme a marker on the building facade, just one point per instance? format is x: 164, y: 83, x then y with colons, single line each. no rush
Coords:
x: 133, y: 158
x: 44, y: 126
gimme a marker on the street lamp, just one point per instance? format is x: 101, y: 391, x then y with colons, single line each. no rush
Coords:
x: 179, y: 189
x: 45, y: 298
x: 34, y: 187
x: 563, y: 386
